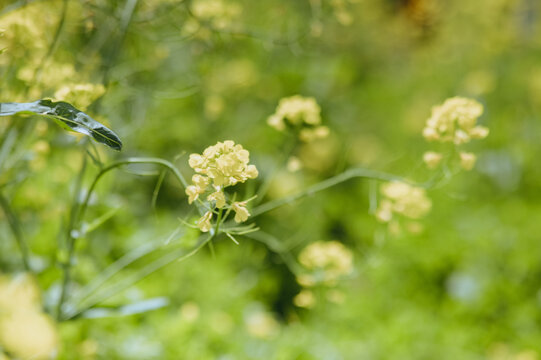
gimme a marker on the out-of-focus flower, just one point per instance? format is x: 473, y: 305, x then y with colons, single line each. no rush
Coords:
x: 432, y: 159
x: 455, y: 121
x: 326, y: 263
x: 82, y: 95
x: 261, y: 324
x: 25, y: 331
x: 305, y: 299
x: 302, y: 114
x: 467, y: 160
x: 401, y: 199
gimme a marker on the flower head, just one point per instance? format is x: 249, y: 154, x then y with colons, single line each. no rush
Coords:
x: 402, y: 199
x: 302, y: 113
x: 455, y: 121
x: 218, y: 167
x: 327, y: 261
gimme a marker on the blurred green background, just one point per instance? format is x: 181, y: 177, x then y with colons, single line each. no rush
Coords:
x: 179, y: 76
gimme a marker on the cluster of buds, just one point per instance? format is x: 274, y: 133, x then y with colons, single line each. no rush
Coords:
x: 220, y: 166
x: 325, y: 262
x: 402, y: 200
x: 302, y: 114
x: 455, y: 122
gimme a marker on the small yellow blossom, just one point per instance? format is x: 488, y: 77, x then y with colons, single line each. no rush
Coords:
x: 82, y: 95
x: 241, y: 213
x: 193, y: 192
x: 261, y: 324
x: 455, y: 121
x: 218, y: 167
x: 302, y: 113
x: 467, y: 160
x: 225, y: 164
x: 328, y: 260
x: 204, y: 223
x: 403, y: 199
x: 219, y: 197
x: 305, y: 299
x: 25, y: 331
x: 432, y: 159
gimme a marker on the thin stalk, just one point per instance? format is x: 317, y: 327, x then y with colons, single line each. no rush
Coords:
x: 15, y: 226
x: 121, y: 264
x: 78, y: 213
x: 154, y: 266
x: 156, y: 161
x: 66, y: 265
x: 325, y: 184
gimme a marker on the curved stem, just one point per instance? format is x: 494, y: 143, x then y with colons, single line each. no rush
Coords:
x: 128, y: 161
x: 78, y: 216
x: 325, y: 184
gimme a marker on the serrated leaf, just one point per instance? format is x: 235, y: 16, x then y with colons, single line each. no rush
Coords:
x: 68, y: 116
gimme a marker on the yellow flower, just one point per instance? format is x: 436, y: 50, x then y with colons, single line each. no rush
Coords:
x: 403, y: 199
x: 25, y: 331
x: 302, y: 113
x: 432, y: 159
x: 467, y: 160
x: 241, y: 213
x: 455, y: 120
x: 219, y: 197
x: 305, y: 299
x: 225, y: 164
x: 193, y: 193
x: 331, y: 259
x: 204, y: 223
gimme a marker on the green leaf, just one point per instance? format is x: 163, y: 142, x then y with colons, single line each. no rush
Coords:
x: 68, y: 117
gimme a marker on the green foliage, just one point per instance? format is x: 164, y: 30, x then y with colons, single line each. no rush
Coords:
x: 102, y: 231
x: 68, y: 117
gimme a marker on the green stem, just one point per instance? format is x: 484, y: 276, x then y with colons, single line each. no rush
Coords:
x: 67, y: 263
x: 156, y: 161
x: 16, y: 230
x: 325, y: 184
x: 78, y: 213
x: 154, y: 266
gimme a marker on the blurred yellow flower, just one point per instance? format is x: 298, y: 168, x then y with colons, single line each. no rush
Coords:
x: 403, y: 199
x: 81, y: 95
x: 327, y: 261
x: 467, y: 160
x: 432, y: 159
x: 296, y: 110
x: 455, y: 121
x: 25, y: 331
x: 305, y: 299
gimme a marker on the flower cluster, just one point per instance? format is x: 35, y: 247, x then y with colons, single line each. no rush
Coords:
x: 220, y: 166
x: 326, y: 262
x: 301, y: 113
x: 454, y: 121
x: 82, y: 95
x: 401, y: 199
x: 25, y: 331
